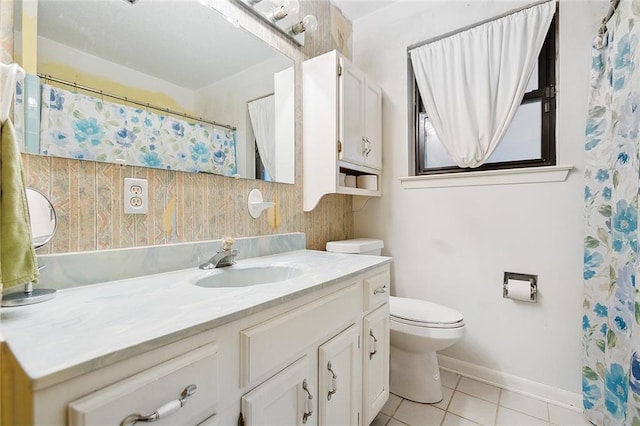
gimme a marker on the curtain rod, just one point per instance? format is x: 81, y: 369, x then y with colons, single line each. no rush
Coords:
x: 477, y: 24
x: 260, y: 97
x: 139, y: 103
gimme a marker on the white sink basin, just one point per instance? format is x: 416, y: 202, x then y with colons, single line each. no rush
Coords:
x: 243, y: 277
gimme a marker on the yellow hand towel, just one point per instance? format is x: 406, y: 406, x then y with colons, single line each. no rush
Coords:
x: 17, y: 257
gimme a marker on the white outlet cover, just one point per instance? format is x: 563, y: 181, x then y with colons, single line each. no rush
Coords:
x: 140, y: 204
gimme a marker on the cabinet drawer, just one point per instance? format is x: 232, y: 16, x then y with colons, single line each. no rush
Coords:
x: 146, y: 392
x: 376, y: 289
x: 272, y: 343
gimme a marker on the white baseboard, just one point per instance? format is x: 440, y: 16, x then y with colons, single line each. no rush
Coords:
x: 513, y: 383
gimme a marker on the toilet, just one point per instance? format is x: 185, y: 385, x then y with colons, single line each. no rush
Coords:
x: 418, y: 330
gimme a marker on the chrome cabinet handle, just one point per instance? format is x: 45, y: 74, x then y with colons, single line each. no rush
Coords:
x: 164, y: 410
x: 373, y: 345
x: 334, y: 382
x: 366, y: 146
x: 379, y: 290
x: 309, y: 408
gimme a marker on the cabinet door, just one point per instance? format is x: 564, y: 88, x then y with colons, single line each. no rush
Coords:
x: 284, y: 399
x: 373, y: 126
x: 351, y: 86
x: 375, y: 366
x: 339, y: 379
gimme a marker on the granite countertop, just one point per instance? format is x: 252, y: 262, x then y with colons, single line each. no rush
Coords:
x: 100, y: 324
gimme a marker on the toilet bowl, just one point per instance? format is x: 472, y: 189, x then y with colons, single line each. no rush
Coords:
x: 418, y: 330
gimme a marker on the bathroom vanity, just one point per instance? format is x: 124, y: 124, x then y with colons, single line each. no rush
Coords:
x: 310, y: 349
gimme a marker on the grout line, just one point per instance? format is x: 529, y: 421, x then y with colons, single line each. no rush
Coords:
x: 495, y: 422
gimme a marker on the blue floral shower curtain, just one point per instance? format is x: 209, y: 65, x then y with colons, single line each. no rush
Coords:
x: 611, y: 320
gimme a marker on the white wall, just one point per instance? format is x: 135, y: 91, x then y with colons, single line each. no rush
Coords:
x: 54, y: 54
x: 452, y: 245
x: 236, y: 91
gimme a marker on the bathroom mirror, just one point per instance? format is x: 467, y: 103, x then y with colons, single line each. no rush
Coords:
x: 43, y: 217
x: 180, y: 55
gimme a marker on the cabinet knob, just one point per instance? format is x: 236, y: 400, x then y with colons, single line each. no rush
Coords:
x: 309, y: 405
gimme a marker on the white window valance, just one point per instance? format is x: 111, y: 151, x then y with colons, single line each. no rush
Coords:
x: 472, y: 82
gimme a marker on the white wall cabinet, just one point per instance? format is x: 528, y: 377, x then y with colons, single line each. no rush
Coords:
x: 304, y: 362
x: 342, y: 116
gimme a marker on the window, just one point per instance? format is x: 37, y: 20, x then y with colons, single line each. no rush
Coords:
x: 530, y: 139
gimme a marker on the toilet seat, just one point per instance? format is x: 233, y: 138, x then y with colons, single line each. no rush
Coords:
x: 420, y: 313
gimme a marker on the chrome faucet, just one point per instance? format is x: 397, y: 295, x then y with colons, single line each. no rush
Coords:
x: 224, y: 257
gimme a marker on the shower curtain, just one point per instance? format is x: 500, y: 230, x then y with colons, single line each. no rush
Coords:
x: 611, y: 308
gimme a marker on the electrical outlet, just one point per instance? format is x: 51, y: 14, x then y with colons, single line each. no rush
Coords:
x: 136, y: 196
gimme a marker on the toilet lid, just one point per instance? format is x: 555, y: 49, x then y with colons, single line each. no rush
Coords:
x: 423, y: 312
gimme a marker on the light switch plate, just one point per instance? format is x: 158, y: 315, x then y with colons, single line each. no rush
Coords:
x: 136, y: 196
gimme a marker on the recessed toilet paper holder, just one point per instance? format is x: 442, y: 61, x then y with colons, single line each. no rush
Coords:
x: 517, y: 279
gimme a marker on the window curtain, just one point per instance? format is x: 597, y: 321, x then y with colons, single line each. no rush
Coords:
x: 472, y: 82
x: 611, y: 307
x: 262, y: 113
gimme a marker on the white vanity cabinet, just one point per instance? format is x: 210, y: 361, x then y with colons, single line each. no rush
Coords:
x: 348, y: 379
x: 375, y: 361
x: 340, y: 379
x: 303, y: 361
x: 342, y: 116
x: 375, y: 353
x: 284, y: 399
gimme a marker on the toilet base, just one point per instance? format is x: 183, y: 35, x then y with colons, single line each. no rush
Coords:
x: 415, y: 376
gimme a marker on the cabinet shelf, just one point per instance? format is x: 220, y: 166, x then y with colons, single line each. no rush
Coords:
x: 357, y: 191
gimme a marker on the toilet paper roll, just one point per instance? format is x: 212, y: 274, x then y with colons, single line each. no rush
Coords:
x: 367, y: 182
x: 350, y: 181
x: 341, y: 180
x: 519, y: 290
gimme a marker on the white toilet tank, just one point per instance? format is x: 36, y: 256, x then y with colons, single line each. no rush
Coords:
x: 369, y: 246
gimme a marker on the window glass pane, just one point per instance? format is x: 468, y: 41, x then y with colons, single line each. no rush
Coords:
x: 522, y: 140
x: 435, y: 155
x: 533, y: 80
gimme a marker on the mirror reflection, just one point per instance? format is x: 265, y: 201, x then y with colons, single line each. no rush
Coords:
x: 43, y: 217
x: 191, y: 90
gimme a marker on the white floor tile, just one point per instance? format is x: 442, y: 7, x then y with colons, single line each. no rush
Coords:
x: 446, y: 399
x: 394, y: 422
x: 391, y: 405
x: 564, y: 417
x: 509, y: 417
x: 524, y: 404
x: 415, y: 414
x: 479, y: 389
x: 472, y: 408
x: 449, y: 379
x: 380, y: 420
x: 453, y: 420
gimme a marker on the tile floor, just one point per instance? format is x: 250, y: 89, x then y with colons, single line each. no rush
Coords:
x: 467, y: 402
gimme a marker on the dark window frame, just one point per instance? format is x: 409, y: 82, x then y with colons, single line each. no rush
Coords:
x: 545, y: 93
